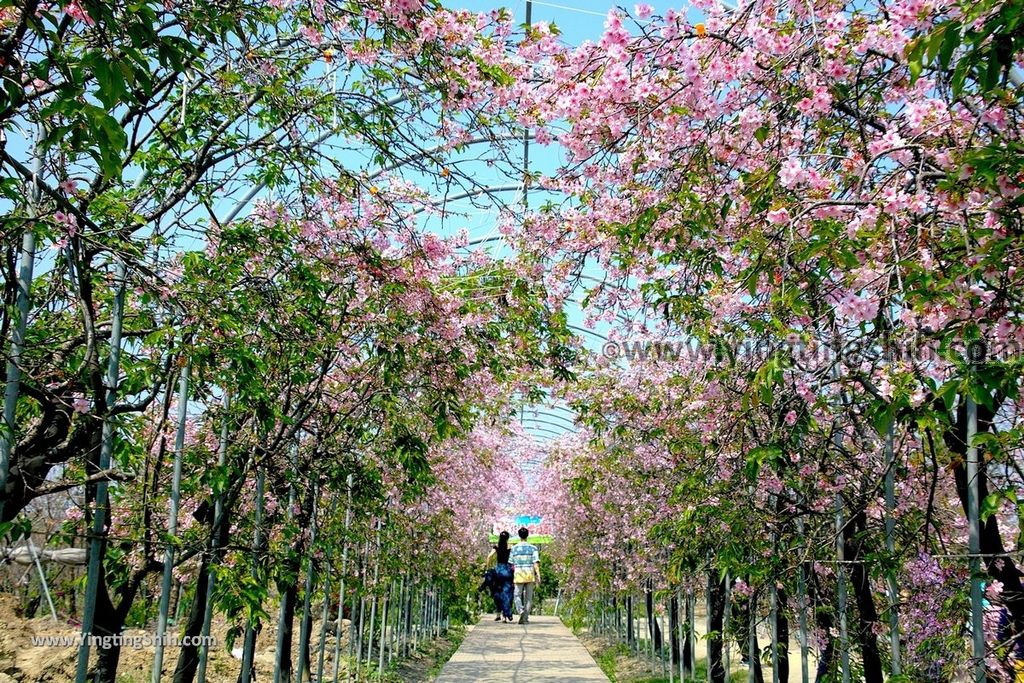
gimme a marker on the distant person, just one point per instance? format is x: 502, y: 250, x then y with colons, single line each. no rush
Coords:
x: 501, y: 578
x: 526, y: 561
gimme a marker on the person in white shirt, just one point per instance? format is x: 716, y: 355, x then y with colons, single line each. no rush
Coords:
x: 526, y: 561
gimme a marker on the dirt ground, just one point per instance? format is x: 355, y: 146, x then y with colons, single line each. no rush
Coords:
x: 21, y: 661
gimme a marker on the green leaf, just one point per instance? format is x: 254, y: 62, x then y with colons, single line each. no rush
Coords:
x: 110, y: 81
x: 990, y: 77
x: 991, y: 504
x: 110, y: 139
x: 915, y: 70
x: 950, y: 41
x: 948, y: 391
x: 981, y: 395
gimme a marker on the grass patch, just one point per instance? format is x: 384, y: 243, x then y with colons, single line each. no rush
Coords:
x: 446, y: 649
x: 621, y: 665
x: 608, y: 659
x: 426, y: 662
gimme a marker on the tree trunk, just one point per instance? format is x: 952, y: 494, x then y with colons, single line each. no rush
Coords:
x: 284, y: 655
x: 827, y: 661
x: 653, y: 628
x: 109, y: 621
x: 716, y: 665
x: 188, y: 656
x: 860, y: 581
x: 782, y: 629
x: 106, y: 623
x: 1000, y: 567
x: 304, y: 654
x: 741, y: 618
x: 673, y: 630
x: 289, y: 588
x: 630, y: 638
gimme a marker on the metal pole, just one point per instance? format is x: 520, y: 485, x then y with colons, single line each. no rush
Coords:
x: 403, y: 631
x: 106, y: 450
x: 385, y: 602
x: 649, y: 608
x: 801, y: 588
x: 341, y: 582
x: 726, y: 618
x: 42, y: 576
x: 890, y: 546
x: 773, y: 598
x: 844, y: 642
x: 709, y: 607
x: 752, y: 653
x: 362, y: 607
x: 218, y: 519
x: 249, y: 647
x: 282, y: 612
x: 394, y: 612
x: 306, y: 604
x: 24, y: 285
x: 672, y: 665
x: 353, y: 635
x: 325, y: 612
x: 373, y: 600
x: 974, y: 543
x: 693, y: 633
x: 172, y: 525
x: 681, y: 611
x: 410, y: 617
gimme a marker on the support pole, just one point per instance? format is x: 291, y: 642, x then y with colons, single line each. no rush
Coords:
x: 395, y: 600
x: 99, y: 520
x: 710, y: 608
x: 249, y: 646
x: 218, y: 520
x: 844, y: 634
x: 691, y: 603
x: 403, y: 642
x: 373, y: 601
x: 801, y: 589
x: 172, y: 526
x: 673, y: 612
x: 362, y: 607
x: 726, y: 618
x: 325, y: 613
x: 773, y: 628
x: 341, y: 582
x: 752, y: 653
x: 683, y: 611
x: 974, y: 543
x: 24, y: 285
x: 385, y: 603
x: 42, y: 576
x: 282, y: 612
x: 890, y: 546
x: 304, y: 628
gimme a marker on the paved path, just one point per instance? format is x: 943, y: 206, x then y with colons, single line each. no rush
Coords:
x: 543, y: 650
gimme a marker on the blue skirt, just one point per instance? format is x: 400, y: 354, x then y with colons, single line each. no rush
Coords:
x: 502, y: 589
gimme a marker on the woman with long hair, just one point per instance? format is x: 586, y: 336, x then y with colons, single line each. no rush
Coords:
x: 501, y: 583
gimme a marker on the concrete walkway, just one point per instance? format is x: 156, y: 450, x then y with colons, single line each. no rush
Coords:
x: 543, y: 650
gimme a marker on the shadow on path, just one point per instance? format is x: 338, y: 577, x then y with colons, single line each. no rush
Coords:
x: 543, y: 650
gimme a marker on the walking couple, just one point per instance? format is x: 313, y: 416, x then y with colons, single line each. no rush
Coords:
x: 513, y: 573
